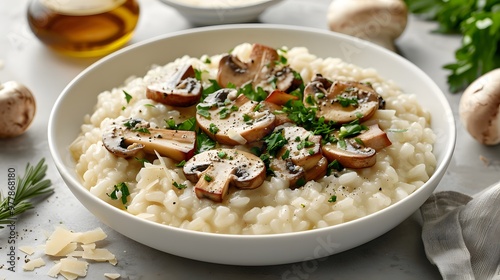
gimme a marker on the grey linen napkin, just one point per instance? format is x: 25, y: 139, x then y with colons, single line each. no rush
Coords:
x: 461, y: 234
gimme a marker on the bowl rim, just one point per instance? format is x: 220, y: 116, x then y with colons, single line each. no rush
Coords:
x: 185, y: 6
x: 75, y: 185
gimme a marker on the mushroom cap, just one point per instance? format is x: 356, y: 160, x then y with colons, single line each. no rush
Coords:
x: 479, y: 108
x: 261, y: 70
x: 215, y: 170
x: 17, y: 109
x: 244, y: 125
x: 180, y: 89
x: 329, y: 99
x: 378, y: 21
x: 351, y: 157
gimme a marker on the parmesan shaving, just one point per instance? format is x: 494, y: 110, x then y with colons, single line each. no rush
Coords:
x: 112, y: 275
x: 74, y: 266
x: 91, y: 236
x: 64, y: 243
x: 28, y: 250
x: 32, y: 264
x: 59, y: 239
x: 234, y: 135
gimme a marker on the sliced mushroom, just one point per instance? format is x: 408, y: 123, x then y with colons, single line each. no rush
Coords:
x: 216, y: 170
x: 181, y: 89
x: 261, y: 70
x: 351, y: 156
x: 124, y: 137
x: 342, y: 101
x: 374, y: 137
x: 280, y: 97
x: 300, y: 160
x: 234, y: 122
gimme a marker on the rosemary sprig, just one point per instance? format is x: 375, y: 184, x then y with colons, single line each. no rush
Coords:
x: 29, y: 186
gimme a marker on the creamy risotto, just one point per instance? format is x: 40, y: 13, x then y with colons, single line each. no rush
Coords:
x: 160, y: 191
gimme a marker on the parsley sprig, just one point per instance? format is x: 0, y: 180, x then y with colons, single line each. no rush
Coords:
x: 31, y: 185
x: 478, y: 21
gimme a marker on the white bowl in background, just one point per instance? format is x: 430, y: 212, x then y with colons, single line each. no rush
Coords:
x: 206, y: 15
x: 80, y: 96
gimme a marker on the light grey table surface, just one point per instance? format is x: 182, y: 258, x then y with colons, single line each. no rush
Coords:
x: 398, y: 254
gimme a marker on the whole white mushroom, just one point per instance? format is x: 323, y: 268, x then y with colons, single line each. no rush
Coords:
x: 378, y: 21
x: 480, y: 108
x: 17, y: 109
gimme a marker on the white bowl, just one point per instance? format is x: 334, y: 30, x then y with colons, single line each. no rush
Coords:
x: 205, y: 15
x: 79, y: 97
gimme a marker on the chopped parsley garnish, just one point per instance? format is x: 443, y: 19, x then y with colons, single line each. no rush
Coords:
x: 204, y: 113
x: 351, y: 129
x: 333, y: 198
x: 142, y: 160
x: 347, y: 101
x: 181, y: 164
x: 274, y: 142
x: 222, y: 154
x: 179, y: 186
x: 144, y: 130
x: 213, y: 128
x: 258, y: 94
x: 208, y: 178
x: 286, y: 154
x: 131, y: 123
x: 334, y: 165
x: 128, y: 97
x: 120, y: 192
x: 203, y: 142
x: 247, y: 118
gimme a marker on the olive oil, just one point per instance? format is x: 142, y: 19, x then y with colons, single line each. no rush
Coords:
x: 83, y: 28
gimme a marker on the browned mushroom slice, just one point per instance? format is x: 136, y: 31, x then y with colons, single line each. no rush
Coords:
x: 125, y: 137
x: 300, y: 160
x: 374, y: 138
x: 216, y: 170
x: 343, y: 101
x: 261, y: 70
x: 234, y: 122
x: 280, y: 116
x: 181, y: 89
x: 351, y: 156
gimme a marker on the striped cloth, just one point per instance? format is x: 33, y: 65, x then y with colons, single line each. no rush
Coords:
x: 461, y: 234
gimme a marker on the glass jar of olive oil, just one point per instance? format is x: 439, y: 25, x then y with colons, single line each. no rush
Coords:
x: 83, y: 28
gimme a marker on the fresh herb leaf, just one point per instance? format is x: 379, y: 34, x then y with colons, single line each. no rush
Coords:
x: 121, y: 192
x: 181, y: 164
x: 208, y: 178
x: 128, y: 97
x: 213, y: 128
x: 332, y: 198
x: 29, y: 186
x: 179, y: 186
x: 221, y: 154
x: 346, y: 101
x: 258, y: 94
x: 274, y: 142
x: 478, y: 21
x: 141, y: 160
x: 203, y: 142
